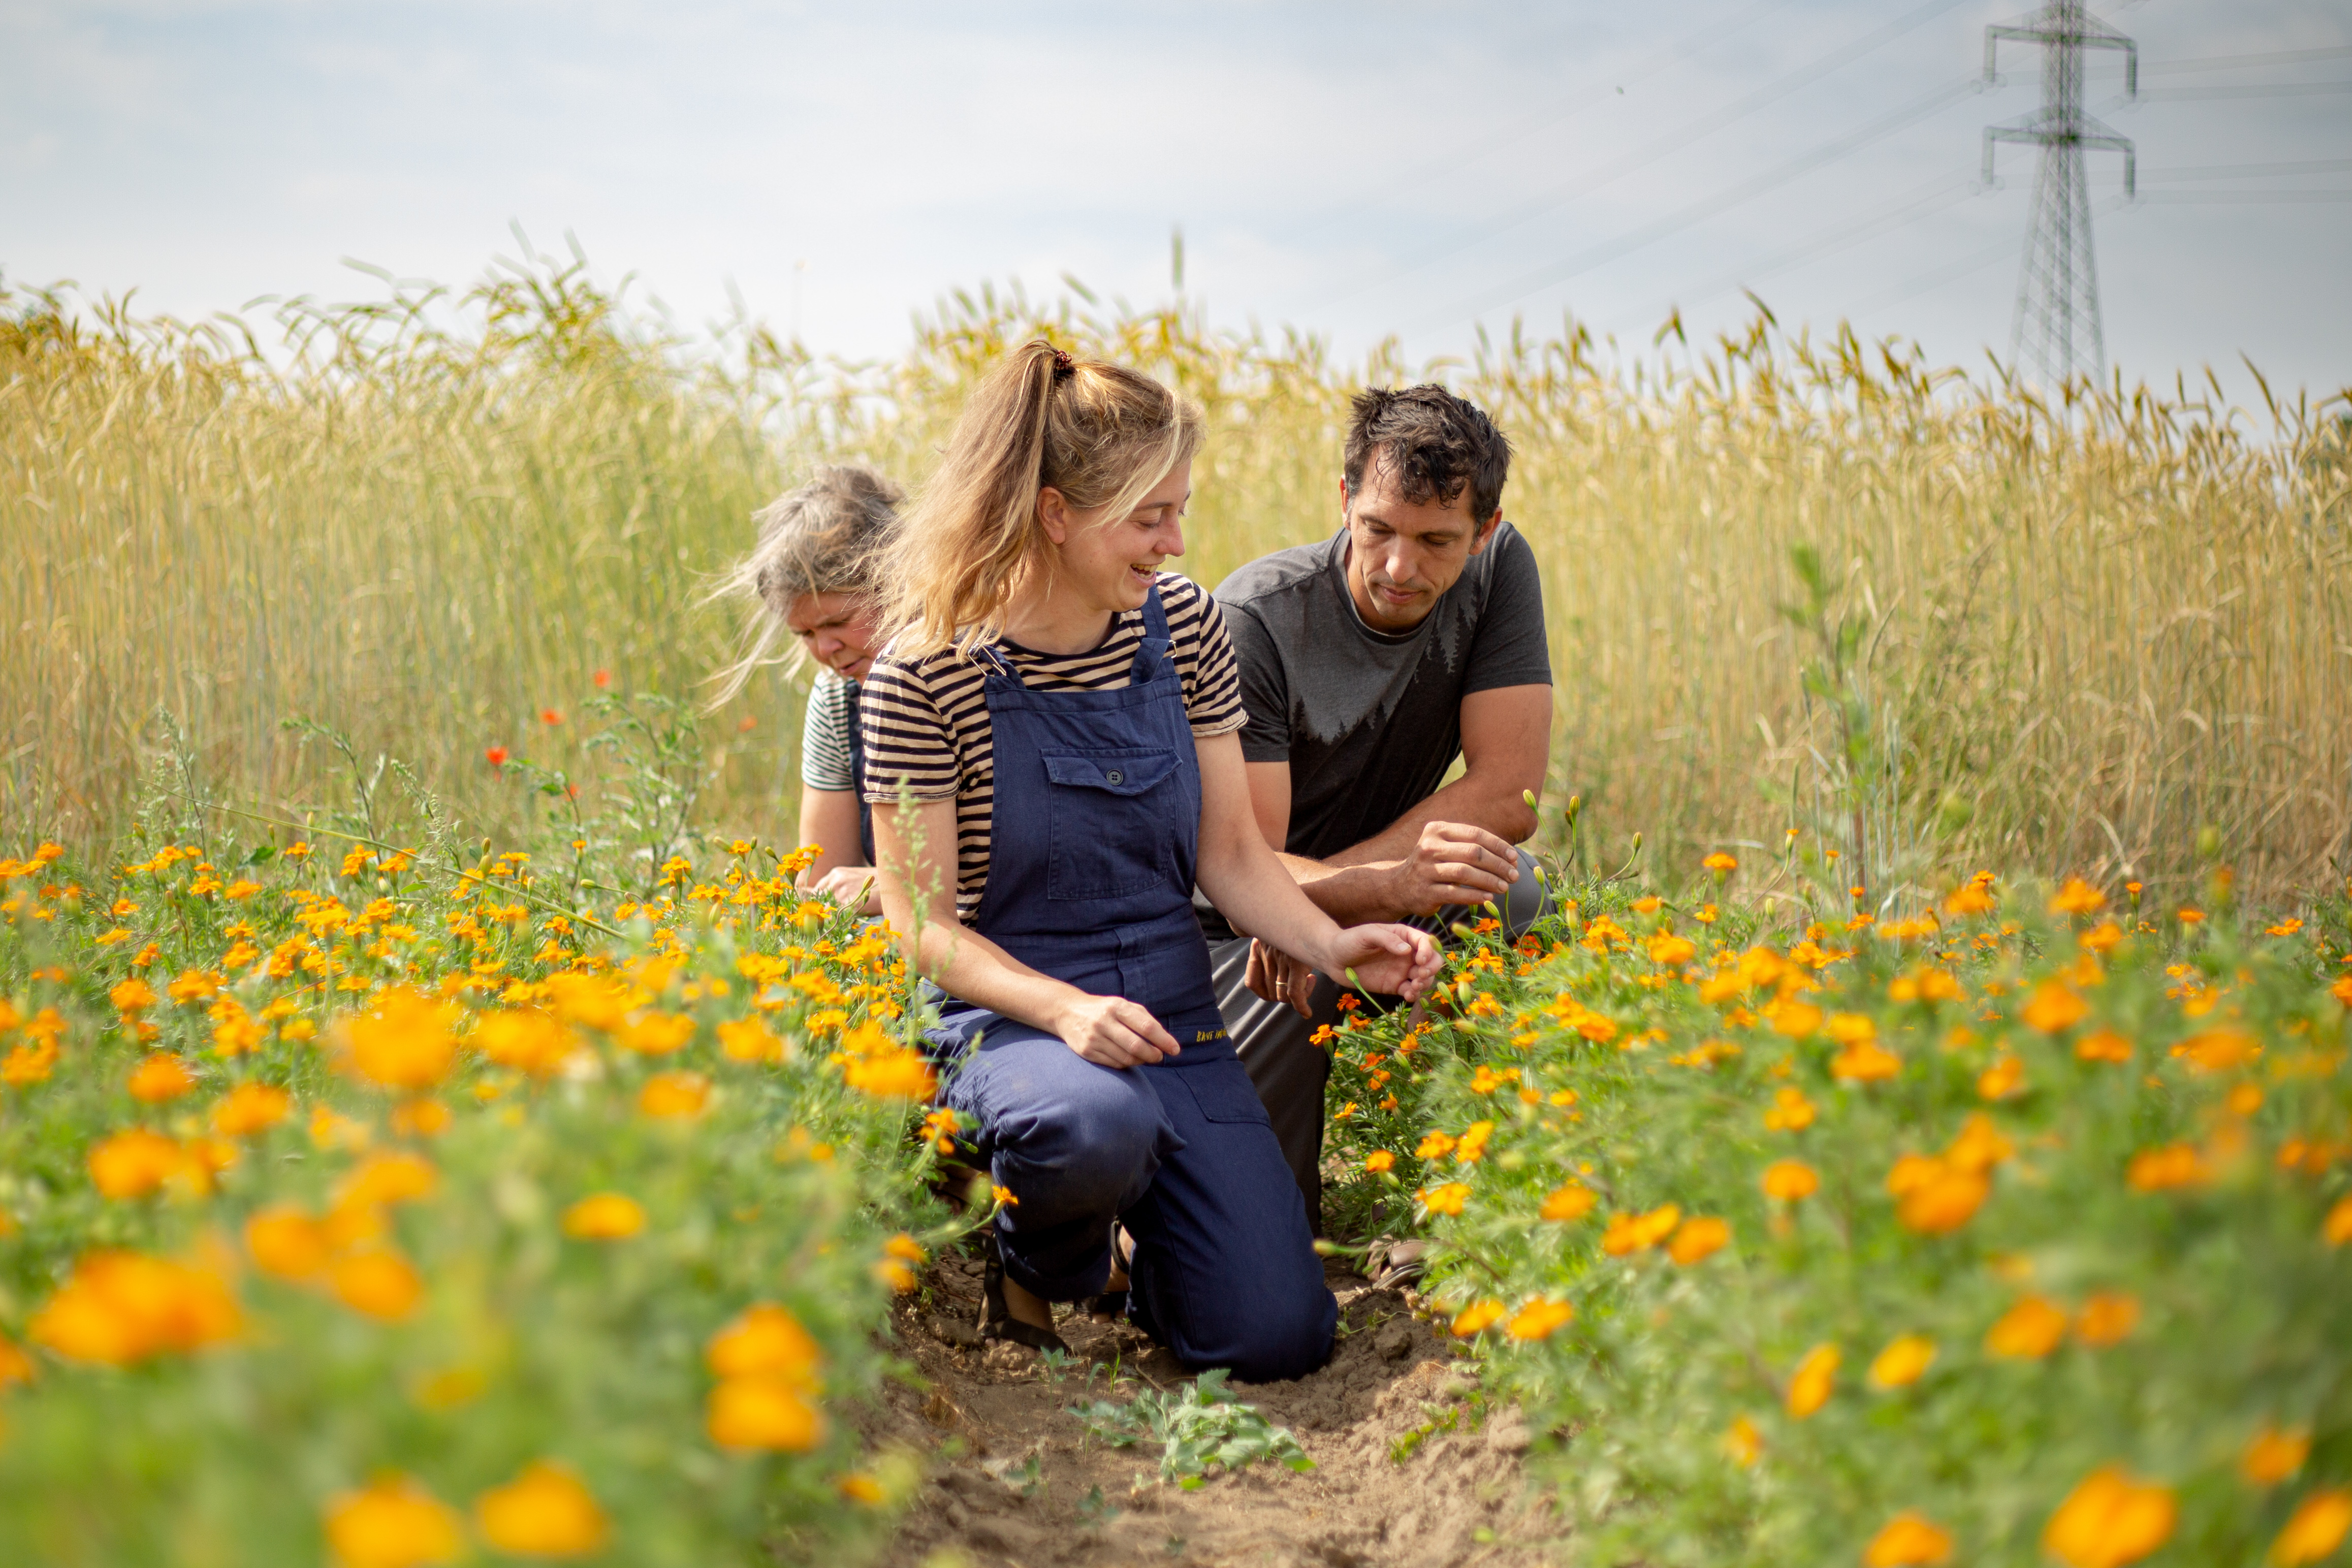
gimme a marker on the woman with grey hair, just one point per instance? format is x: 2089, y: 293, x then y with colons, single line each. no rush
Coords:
x: 813, y: 576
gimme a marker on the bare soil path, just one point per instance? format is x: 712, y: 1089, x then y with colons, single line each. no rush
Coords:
x: 1014, y: 1478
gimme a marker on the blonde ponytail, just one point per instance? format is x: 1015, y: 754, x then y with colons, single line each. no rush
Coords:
x: 1101, y: 435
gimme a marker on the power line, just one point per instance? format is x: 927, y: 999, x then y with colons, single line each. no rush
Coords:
x: 1673, y: 142
x: 2248, y: 171
x: 2174, y: 197
x: 2270, y: 89
x: 2244, y: 62
x: 1584, y: 261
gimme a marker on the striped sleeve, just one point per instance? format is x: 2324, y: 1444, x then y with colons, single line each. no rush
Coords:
x: 908, y: 736
x: 824, y: 737
x: 1204, y: 657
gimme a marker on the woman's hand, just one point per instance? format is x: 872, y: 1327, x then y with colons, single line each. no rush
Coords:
x: 1278, y: 978
x: 1112, y: 1032
x: 851, y: 886
x: 1397, y: 960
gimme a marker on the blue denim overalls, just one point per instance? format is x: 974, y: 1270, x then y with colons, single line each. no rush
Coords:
x: 1096, y: 829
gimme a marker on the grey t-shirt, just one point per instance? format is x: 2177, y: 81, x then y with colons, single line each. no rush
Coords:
x: 1371, y: 721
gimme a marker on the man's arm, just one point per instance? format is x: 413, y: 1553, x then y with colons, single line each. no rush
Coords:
x: 1454, y: 846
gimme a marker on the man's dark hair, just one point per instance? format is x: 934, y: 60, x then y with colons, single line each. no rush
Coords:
x: 1436, y: 443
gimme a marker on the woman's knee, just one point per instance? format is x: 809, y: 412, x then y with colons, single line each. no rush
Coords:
x: 1099, y: 1133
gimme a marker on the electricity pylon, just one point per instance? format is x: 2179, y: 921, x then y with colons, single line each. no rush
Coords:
x: 2057, y: 321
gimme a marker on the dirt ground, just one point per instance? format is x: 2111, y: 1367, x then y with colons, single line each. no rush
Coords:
x: 988, y: 1411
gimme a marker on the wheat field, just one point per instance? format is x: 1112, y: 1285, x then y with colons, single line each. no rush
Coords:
x: 2110, y: 634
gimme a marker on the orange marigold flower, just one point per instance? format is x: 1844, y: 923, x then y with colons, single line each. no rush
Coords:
x: 1435, y: 1146
x: 395, y: 1523
x: 1793, y: 1017
x: 2218, y: 1050
x: 525, y: 1039
x: 2156, y: 1170
x: 2274, y: 1455
x: 674, y: 1094
x: 1936, y: 1197
x: 545, y: 1512
x: 378, y: 1282
x: 765, y: 1341
x: 119, y: 1308
x: 2106, y: 1319
x: 1790, y: 1111
x: 1572, y: 1201
x: 1700, y: 1238
x: 1811, y: 1384
x: 895, y: 1072
x: 605, y: 1216
x: 1903, y: 1362
x: 1908, y: 1541
x: 2055, y: 1006
x: 2077, y: 898
x: 1669, y: 951
x: 2027, y: 1331
x: 2316, y: 1529
x: 398, y: 1176
x: 2102, y: 1045
x: 1743, y: 1442
x: 749, y: 1040
x: 1865, y: 1061
x: 250, y: 1108
x: 1630, y: 1232
x: 134, y: 1163
x: 2002, y: 1078
x: 403, y: 1041
x: 1979, y: 1145
x: 1447, y: 1198
x: 2336, y: 1228
x: 861, y: 1489
x: 1789, y: 1180
x: 162, y: 1076
x: 1539, y: 1319
x: 763, y: 1413
x: 1380, y: 1160
x: 1476, y: 1318
x: 133, y: 996
x: 2110, y: 1520
x: 286, y: 1242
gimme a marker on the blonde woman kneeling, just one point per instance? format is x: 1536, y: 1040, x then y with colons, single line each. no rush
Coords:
x: 1062, y: 716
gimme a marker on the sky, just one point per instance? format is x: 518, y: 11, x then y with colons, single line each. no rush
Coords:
x: 1356, y: 171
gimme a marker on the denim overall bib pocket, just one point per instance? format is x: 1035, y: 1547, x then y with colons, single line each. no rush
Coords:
x: 1094, y: 834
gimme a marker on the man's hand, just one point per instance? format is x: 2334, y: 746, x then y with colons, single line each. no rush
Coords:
x: 1453, y: 862
x: 1277, y: 977
x: 851, y: 886
x: 1396, y: 960
x: 1111, y: 1032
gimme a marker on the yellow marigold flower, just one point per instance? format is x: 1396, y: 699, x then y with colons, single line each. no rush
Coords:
x: 1790, y: 1111
x: 2002, y: 1078
x: 749, y: 1040
x: 1976, y: 898
x: 1700, y: 1238
x: 765, y: 1341
x: 16, y: 1366
x: 656, y: 1033
x: 194, y: 986
x: 1793, y: 1017
x: 132, y: 997
x: 2336, y: 1228
x: 1908, y: 1541
x: 2274, y: 1455
x: 2218, y: 1050
x: 525, y: 1039
x: 286, y: 1242
x: 1789, y: 1180
x: 1435, y: 1146
x: 1934, y: 1197
x: 605, y: 1216
x: 1851, y: 1028
x: 763, y: 1413
x: 2027, y: 1331
x: 1573, y: 1201
x: 1669, y: 951
x: 2156, y: 1170
x: 1539, y: 1319
x: 1473, y: 1145
x: 1743, y: 1442
x: 2102, y: 1045
x: 134, y: 1163
x: 1903, y: 1362
x: 2106, y: 1319
x: 1003, y: 1197
x: 162, y: 1076
x: 378, y: 1282
x: 543, y: 1512
x: 590, y: 1000
x: 2110, y: 1520
x: 1865, y: 1061
x: 393, y: 1524
x: 1476, y: 1318
x: 2055, y: 1007
x: 29, y: 1063
x: 119, y: 1308
x: 674, y: 1094
x: 2316, y: 1529
x: 397, y: 1177
x: 1811, y: 1384
x: 1380, y: 1160
x: 402, y: 1043
x: 861, y: 1489
x: 1447, y: 1198
x: 1629, y: 1233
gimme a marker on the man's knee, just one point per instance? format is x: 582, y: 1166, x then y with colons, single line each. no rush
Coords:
x: 1288, y: 1336
x: 1527, y: 901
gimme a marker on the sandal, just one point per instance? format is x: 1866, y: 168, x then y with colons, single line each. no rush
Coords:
x: 1111, y: 1303
x: 997, y: 1322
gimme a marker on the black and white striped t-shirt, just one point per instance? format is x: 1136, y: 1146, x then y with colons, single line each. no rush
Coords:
x: 926, y: 721
x: 824, y: 734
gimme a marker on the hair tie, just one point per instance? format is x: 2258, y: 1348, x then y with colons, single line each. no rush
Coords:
x: 1063, y: 364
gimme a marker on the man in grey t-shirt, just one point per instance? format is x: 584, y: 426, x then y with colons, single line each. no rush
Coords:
x: 1369, y: 662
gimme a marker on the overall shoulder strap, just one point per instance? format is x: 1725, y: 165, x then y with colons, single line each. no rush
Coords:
x: 1156, y: 645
